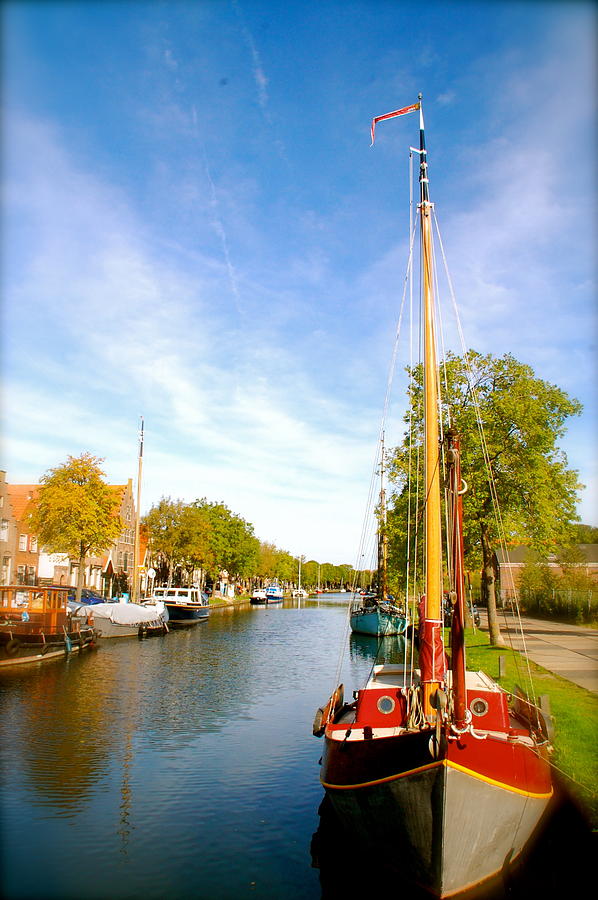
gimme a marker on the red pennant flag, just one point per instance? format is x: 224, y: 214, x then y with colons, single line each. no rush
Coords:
x: 390, y: 115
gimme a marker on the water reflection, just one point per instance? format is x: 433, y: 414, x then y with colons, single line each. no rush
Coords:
x: 67, y: 734
x: 378, y: 650
x: 181, y: 766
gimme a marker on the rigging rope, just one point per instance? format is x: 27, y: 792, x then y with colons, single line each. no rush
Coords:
x: 487, y: 461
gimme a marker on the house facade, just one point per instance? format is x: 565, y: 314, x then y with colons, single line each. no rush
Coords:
x: 24, y: 562
x: 118, y: 562
x: 512, y: 563
x: 8, y: 534
x: 19, y: 547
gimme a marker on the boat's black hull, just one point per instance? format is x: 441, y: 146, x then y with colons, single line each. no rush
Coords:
x: 446, y: 826
x: 180, y: 616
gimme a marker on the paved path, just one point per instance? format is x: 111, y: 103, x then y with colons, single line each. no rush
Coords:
x: 567, y: 650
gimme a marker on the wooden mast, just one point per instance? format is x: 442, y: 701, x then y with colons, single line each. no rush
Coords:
x: 433, y: 538
x: 136, y: 561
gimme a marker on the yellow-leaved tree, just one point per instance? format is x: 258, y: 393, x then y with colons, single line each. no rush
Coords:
x: 76, y: 511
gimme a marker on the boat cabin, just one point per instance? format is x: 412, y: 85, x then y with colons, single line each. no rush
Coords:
x: 383, y: 702
x: 31, y: 609
x: 180, y: 596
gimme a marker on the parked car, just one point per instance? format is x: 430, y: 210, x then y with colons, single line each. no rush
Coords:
x: 88, y: 595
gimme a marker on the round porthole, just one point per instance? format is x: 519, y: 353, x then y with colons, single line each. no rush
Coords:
x: 386, y: 705
x: 478, y: 707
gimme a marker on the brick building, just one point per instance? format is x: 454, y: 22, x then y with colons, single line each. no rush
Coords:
x: 23, y: 562
x: 511, y: 565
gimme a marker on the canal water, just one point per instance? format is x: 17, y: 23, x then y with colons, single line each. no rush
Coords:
x: 184, y: 766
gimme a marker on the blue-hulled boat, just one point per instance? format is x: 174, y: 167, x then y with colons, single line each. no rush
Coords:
x: 274, y: 593
x: 186, y: 606
x: 376, y: 612
x: 377, y: 617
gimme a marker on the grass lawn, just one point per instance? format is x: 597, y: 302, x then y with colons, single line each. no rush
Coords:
x: 574, y: 711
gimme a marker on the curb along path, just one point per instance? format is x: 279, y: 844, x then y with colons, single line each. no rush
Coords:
x: 566, y: 650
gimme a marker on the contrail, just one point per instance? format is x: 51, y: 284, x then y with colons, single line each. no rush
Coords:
x: 258, y: 70
x: 217, y: 222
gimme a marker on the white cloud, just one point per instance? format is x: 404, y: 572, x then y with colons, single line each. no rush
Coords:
x: 140, y: 336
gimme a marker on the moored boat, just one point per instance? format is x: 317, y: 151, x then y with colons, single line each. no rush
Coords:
x: 35, y: 625
x: 376, y: 613
x: 377, y: 617
x: 185, y: 606
x: 258, y: 597
x: 432, y: 768
x: 299, y: 593
x: 274, y: 593
x: 115, y: 620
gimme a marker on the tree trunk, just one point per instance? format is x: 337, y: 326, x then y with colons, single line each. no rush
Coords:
x: 467, y: 617
x: 80, y: 574
x: 489, y: 578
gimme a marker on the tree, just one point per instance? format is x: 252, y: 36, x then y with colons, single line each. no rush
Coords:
x: 196, y: 540
x: 163, y: 523
x: 522, y: 418
x: 233, y: 543
x: 585, y: 534
x: 203, y: 535
x: 76, y: 511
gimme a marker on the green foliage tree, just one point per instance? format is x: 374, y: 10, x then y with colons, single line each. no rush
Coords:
x: 585, y: 534
x: 522, y: 417
x: 232, y: 541
x: 76, y: 511
x: 163, y: 523
x: 196, y: 546
x: 199, y: 535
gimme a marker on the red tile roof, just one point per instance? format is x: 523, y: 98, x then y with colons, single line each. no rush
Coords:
x: 20, y: 496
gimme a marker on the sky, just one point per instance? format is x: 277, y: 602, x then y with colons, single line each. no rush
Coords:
x: 196, y: 230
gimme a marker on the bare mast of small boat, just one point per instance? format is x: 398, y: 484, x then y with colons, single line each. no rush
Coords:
x: 383, y: 535
x: 136, y: 554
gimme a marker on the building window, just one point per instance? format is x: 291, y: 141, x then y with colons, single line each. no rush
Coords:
x: 22, y: 542
x: 33, y: 544
x: 20, y: 574
x: 30, y: 577
x: 4, y: 530
x: 6, y: 570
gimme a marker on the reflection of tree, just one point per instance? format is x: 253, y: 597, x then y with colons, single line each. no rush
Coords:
x: 69, y: 736
x: 125, y: 827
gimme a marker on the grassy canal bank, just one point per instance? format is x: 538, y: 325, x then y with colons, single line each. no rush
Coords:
x: 574, y: 712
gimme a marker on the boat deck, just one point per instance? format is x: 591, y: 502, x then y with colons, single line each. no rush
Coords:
x: 397, y: 675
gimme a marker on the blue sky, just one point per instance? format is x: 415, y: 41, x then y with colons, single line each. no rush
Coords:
x: 196, y: 230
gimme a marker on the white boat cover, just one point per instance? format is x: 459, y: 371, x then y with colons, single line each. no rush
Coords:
x: 125, y: 613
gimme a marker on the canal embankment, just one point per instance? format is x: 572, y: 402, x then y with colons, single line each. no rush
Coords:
x: 573, y: 707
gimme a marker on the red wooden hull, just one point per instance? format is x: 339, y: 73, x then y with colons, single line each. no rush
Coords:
x: 450, y: 820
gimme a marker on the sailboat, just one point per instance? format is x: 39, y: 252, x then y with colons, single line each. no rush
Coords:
x: 299, y: 593
x: 436, y: 769
x: 377, y: 613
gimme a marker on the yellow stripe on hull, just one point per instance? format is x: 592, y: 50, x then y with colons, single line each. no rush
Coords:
x: 444, y: 763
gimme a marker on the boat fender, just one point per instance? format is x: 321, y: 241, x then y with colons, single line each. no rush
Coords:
x: 68, y: 645
x: 45, y: 649
x: 13, y: 646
